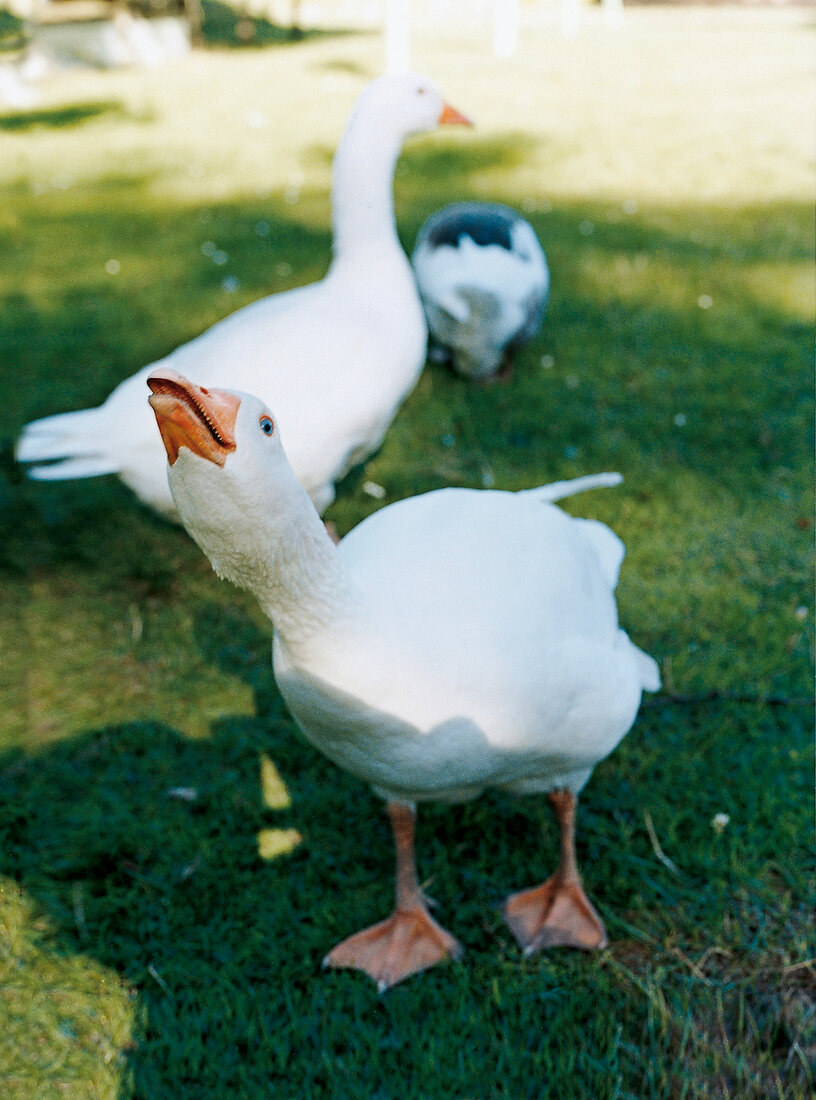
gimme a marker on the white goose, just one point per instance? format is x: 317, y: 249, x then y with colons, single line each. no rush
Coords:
x: 339, y: 355
x: 454, y: 641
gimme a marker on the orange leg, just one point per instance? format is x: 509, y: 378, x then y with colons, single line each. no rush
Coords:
x: 557, y: 913
x: 410, y: 940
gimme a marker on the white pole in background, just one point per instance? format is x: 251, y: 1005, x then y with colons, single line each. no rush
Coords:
x: 505, y: 27
x: 397, y: 35
x: 570, y: 17
x: 613, y: 12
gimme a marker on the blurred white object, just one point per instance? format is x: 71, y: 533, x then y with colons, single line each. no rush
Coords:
x: 505, y: 27
x: 15, y: 91
x: 397, y: 36
x: 613, y: 12
x: 484, y: 281
x: 119, y: 42
x: 34, y: 65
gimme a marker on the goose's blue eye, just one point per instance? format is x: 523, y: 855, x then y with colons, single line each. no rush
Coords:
x: 267, y: 427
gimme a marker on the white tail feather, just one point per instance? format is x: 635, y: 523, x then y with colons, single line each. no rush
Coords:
x: 649, y: 671
x: 558, y: 490
x: 70, y: 441
x: 83, y: 466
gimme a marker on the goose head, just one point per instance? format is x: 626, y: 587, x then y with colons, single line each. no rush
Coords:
x: 388, y: 111
x: 402, y: 104
x: 229, y: 476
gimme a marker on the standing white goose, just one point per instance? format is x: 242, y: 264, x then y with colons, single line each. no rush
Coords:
x: 454, y: 641
x: 339, y: 355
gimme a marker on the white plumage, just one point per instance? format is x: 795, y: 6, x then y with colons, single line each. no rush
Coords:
x: 452, y: 642
x: 489, y: 655
x: 484, y: 281
x: 338, y: 356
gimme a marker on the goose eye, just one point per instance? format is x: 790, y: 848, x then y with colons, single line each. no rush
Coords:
x: 267, y: 426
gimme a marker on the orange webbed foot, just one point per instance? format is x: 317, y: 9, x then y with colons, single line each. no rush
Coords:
x: 555, y: 914
x: 408, y: 942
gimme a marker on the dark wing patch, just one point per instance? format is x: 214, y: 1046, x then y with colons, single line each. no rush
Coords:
x: 484, y: 224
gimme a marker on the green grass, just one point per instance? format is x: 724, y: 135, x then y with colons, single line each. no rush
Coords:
x: 146, y: 948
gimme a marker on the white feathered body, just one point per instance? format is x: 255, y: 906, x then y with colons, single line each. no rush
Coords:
x: 486, y: 651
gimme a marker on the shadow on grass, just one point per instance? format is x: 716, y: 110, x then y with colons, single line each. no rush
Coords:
x: 60, y: 117
x: 346, y: 66
x: 12, y: 31
x: 140, y: 848
x: 158, y: 837
x: 226, y: 26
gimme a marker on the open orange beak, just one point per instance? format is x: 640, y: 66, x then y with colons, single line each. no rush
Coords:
x: 451, y: 117
x: 190, y: 416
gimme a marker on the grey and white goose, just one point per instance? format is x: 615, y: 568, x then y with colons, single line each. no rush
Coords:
x: 484, y: 281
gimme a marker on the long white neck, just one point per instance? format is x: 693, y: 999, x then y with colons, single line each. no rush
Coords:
x: 303, y: 587
x: 362, y: 190
x: 269, y: 540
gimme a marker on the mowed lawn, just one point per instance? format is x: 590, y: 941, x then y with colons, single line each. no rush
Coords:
x: 174, y: 861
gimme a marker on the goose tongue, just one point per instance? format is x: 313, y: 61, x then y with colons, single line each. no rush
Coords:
x: 190, y: 416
